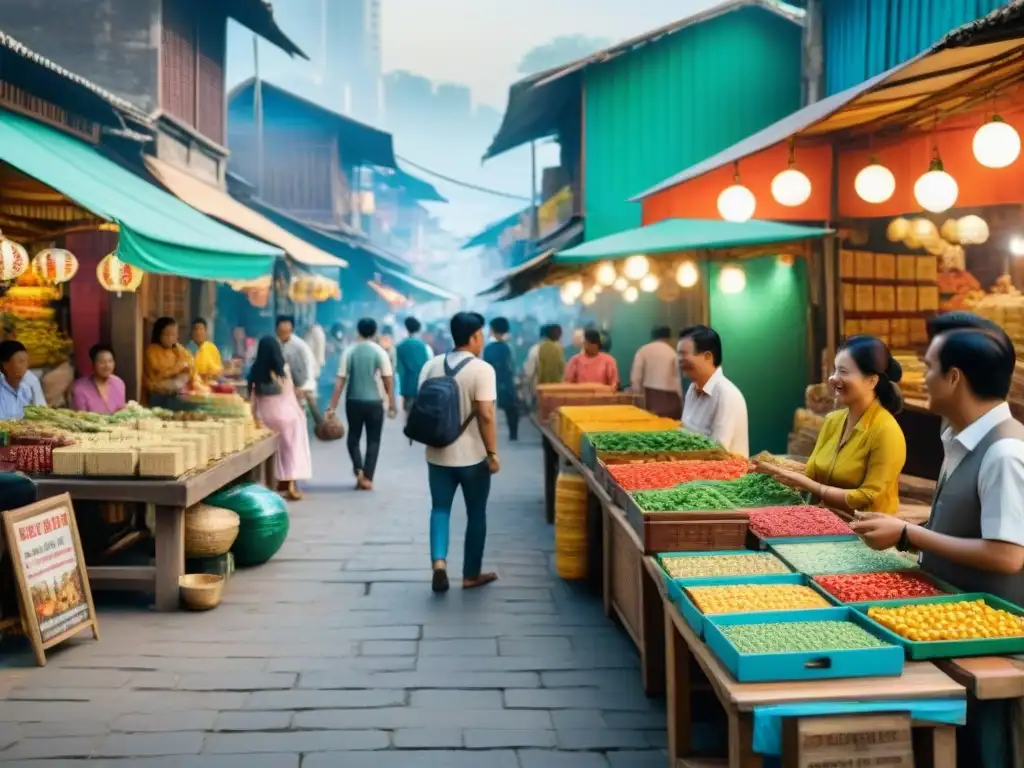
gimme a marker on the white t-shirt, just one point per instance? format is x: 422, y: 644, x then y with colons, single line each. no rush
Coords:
x: 718, y: 411
x: 477, y: 384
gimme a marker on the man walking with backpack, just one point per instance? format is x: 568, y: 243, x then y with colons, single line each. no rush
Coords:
x: 453, y: 415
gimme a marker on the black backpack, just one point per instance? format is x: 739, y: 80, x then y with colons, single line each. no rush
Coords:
x: 435, y: 419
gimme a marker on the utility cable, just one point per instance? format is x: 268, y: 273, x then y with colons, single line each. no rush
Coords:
x: 466, y: 184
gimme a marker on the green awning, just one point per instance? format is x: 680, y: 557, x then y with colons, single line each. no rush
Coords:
x: 158, y: 232
x: 688, y: 235
x: 415, y: 288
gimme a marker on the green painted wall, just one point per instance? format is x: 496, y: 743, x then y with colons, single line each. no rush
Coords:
x: 764, y: 344
x: 672, y: 103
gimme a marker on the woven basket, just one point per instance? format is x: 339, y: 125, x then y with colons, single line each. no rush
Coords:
x: 209, y: 531
x: 200, y: 591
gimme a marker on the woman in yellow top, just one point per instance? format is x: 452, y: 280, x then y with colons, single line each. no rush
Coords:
x: 167, y: 366
x: 207, y: 356
x: 861, y: 450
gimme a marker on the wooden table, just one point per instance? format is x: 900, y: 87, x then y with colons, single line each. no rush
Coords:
x: 170, y: 498
x: 920, y: 680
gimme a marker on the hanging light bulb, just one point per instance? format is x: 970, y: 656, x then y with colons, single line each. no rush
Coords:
x: 605, y: 274
x: 630, y: 295
x: 996, y: 143
x: 620, y: 284
x: 736, y: 203
x: 897, y: 230
x: 649, y: 283
x: 791, y: 187
x: 588, y: 298
x: 574, y: 287
x: 687, y: 274
x: 732, y: 279
x: 973, y: 230
x: 874, y: 183
x: 636, y: 267
x: 936, y: 190
x: 566, y: 294
x: 596, y: 289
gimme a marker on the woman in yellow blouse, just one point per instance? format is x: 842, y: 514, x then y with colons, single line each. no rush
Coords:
x: 207, y: 356
x: 861, y: 450
x: 167, y: 367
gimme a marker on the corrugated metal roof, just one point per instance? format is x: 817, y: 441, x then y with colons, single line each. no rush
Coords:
x: 1001, y: 23
x: 258, y: 15
x: 535, y: 101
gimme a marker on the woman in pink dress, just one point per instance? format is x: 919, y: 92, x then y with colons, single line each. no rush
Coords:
x: 102, y: 392
x: 592, y: 366
x: 275, y: 404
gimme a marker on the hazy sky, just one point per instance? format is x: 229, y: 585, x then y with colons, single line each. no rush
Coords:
x: 480, y: 42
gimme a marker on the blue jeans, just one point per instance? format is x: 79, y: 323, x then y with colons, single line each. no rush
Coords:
x: 476, y: 487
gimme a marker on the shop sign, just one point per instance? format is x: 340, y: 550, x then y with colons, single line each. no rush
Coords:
x: 49, y: 568
x: 854, y: 741
x: 554, y: 212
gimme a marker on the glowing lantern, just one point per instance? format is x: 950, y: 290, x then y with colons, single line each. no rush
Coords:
x: 791, y: 188
x: 636, y: 267
x: 687, y: 274
x: 630, y: 295
x: 649, y: 283
x: 13, y: 259
x: 936, y: 190
x: 605, y: 274
x: 620, y: 284
x: 996, y: 144
x: 117, y: 276
x: 573, y: 288
x: 923, y: 231
x: 972, y: 230
x: 567, y: 295
x: 588, y: 298
x: 950, y: 231
x: 55, y: 265
x: 736, y: 203
x: 874, y: 183
x: 897, y: 230
x: 732, y: 279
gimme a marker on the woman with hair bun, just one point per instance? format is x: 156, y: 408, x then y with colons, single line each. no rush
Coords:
x: 861, y: 450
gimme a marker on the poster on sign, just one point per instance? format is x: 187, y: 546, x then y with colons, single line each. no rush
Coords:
x: 56, y: 601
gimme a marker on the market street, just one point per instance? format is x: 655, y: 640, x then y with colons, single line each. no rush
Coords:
x: 337, y: 654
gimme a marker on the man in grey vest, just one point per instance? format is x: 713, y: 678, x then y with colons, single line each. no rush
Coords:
x: 974, y: 538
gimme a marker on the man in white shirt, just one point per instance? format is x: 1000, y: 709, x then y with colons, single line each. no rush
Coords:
x: 316, y: 340
x: 974, y: 538
x: 655, y: 375
x: 300, y: 358
x: 713, y: 406
x: 470, y: 461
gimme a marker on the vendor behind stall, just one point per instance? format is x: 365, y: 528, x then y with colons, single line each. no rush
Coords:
x: 207, y: 356
x: 168, y: 365
x: 18, y: 386
x: 861, y: 450
x: 713, y: 406
x: 102, y: 391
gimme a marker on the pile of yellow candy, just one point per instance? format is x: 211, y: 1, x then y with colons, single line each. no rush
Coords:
x: 961, y: 620
x: 742, y: 598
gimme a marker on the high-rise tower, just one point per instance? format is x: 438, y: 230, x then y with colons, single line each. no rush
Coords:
x: 351, y: 48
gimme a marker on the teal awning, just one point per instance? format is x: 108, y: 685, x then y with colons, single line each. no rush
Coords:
x: 415, y: 288
x: 158, y: 232
x: 688, y: 235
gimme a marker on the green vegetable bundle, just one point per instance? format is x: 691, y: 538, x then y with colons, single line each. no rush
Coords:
x: 671, y: 441
x: 749, y: 491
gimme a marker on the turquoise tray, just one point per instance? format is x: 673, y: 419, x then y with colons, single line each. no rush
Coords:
x: 938, y: 583
x: 766, y: 543
x: 697, y: 619
x: 920, y: 650
x: 886, y: 661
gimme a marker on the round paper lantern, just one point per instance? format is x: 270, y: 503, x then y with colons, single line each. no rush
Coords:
x: 791, y: 188
x: 874, y: 183
x: 573, y: 287
x: 649, y: 283
x: 936, y: 190
x: 13, y: 259
x: 117, y: 276
x: 605, y: 274
x: 636, y: 267
x: 631, y: 294
x: 924, y: 231
x: 55, y: 265
x: 687, y: 275
x: 973, y: 230
x: 596, y: 289
x: 950, y: 231
x: 897, y: 230
x: 588, y: 298
x: 732, y: 279
x: 736, y: 203
x: 1017, y: 245
x: 996, y: 144
x: 620, y: 284
x: 567, y: 295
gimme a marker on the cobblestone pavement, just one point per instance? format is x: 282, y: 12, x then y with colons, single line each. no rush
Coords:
x: 336, y: 653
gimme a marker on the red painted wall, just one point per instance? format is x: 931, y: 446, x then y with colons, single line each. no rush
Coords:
x: 90, y: 303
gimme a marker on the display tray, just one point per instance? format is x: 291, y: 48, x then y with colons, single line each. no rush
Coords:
x: 754, y: 542
x: 791, y: 555
x: 676, y: 583
x: 946, y: 587
x: 589, y: 455
x: 922, y: 650
x: 697, y: 619
x: 884, y: 661
x: 639, y: 519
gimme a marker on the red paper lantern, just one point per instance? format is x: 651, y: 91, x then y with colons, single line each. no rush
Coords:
x: 55, y: 265
x: 118, y: 276
x: 13, y: 259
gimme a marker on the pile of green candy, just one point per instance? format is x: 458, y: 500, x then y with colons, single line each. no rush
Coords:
x: 797, y: 636
x: 843, y: 557
x: 753, y: 490
x: 671, y: 441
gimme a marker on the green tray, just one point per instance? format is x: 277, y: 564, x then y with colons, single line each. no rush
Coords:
x: 922, y: 650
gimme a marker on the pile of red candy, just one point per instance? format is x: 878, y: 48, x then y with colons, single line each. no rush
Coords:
x: 869, y: 587
x: 669, y: 474
x: 31, y: 459
x: 783, y: 522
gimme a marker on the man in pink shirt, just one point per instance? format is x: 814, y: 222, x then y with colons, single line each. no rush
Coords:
x: 592, y: 366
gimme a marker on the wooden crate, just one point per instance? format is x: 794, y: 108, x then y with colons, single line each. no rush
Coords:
x: 871, y: 741
x: 625, y: 561
x: 693, y: 535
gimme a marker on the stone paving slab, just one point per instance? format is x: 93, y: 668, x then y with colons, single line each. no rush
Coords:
x: 336, y: 653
